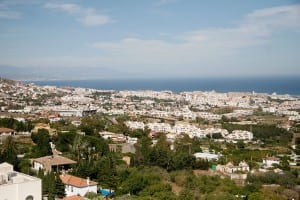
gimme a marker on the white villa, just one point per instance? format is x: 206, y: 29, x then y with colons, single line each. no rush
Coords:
x: 207, y: 156
x: 78, y: 186
x: 270, y: 161
x: 18, y: 186
x: 230, y: 168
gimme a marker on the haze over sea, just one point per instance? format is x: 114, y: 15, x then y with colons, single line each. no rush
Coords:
x: 280, y: 85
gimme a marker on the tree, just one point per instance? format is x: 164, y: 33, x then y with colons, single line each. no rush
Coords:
x: 183, y: 160
x: 9, y: 151
x: 24, y: 166
x: 52, y: 185
x: 186, y: 194
x: 78, y: 145
x: 65, y: 140
x: 255, y: 196
x: 59, y: 186
x: 240, y: 144
x: 138, y: 133
x: 161, y: 154
x: 42, y: 140
x: 107, y: 174
x: 15, y: 124
x: 143, y: 150
x: 284, y: 164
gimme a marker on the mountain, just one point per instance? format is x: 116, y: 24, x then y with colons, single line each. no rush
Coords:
x: 58, y: 73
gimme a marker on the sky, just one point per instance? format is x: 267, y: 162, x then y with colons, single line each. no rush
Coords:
x: 108, y: 39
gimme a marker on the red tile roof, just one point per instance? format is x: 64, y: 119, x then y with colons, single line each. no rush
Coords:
x: 75, y: 181
x: 6, y: 130
x: 75, y: 197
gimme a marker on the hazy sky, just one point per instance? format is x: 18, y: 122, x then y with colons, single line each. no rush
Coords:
x: 153, y: 38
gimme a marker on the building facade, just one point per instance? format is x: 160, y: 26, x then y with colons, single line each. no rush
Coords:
x: 18, y: 186
x: 77, y: 186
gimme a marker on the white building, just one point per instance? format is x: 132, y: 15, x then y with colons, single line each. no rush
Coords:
x: 135, y: 125
x: 240, y: 135
x: 18, y: 186
x: 53, y: 162
x: 160, y: 127
x: 270, y: 161
x: 77, y: 186
x: 207, y: 156
x: 229, y: 168
x: 6, y: 131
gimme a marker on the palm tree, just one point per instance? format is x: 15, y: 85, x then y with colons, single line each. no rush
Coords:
x: 78, y: 145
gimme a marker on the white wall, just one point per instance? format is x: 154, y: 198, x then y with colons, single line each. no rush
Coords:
x: 80, y: 191
x: 37, y: 165
x: 33, y: 188
x: 19, y: 191
x: 8, y: 192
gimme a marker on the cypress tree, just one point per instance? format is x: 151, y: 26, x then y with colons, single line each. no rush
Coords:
x: 59, y: 186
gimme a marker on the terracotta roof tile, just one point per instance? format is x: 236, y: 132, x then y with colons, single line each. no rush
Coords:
x: 75, y: 197
x: 75, y: 181
x: 6, y: 130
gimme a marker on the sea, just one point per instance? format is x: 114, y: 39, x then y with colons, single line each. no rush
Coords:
x: 270, y: 85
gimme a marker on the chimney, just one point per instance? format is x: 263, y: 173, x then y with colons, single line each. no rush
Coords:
x: 88, y: 180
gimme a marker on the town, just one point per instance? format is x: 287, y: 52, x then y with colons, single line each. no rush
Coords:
x: 81, y: 143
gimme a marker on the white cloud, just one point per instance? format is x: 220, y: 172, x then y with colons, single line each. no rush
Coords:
x: 91, y: 18
x: 86, y: 16
x: 69, y: 8
x: 206, y: 47
x: 210, y: 51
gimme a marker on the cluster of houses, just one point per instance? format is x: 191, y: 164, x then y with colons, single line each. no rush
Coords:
x: 15, y: 185
x: 67, y: 102
x: 191, y: 130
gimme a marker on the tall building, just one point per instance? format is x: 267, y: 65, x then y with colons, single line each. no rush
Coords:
x: 18, y: 186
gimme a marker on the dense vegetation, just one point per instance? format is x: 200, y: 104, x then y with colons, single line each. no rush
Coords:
x: 155, y: 171
x: 16, y: 125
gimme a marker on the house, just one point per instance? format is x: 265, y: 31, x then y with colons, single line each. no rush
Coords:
x: 207, y: 156
x: 18, y: 186
x: 77, y: 186
x: 230, y: 168
x: 115, y: 137
x: 122, y: 148
x: 74, y: 197
x: 53, y: 162
x: 6, y: 131
x: 270, y: 161
x: 44, y: 126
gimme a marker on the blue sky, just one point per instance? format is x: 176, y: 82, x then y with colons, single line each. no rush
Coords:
x: 152, y: 38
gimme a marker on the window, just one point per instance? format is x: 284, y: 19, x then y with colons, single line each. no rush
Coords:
x: 30, y: 197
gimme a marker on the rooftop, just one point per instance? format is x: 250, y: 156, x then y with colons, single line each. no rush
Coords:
x: 9, y: 176
x: 6, y: 130
x: 76, y: 181
x: 54, y: 160
x: 75, y: 197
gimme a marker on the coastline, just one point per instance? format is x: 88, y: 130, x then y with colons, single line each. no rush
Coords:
x: 278, y: 85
